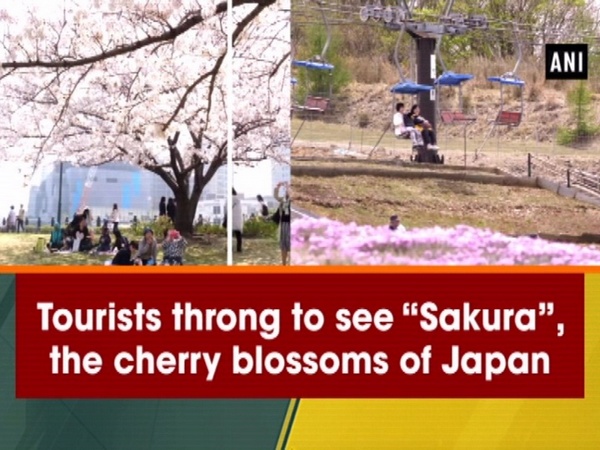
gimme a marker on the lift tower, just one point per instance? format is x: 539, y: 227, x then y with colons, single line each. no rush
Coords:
x: 426, y: 36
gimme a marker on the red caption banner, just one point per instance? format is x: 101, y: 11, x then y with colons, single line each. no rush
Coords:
x: 300, y: 336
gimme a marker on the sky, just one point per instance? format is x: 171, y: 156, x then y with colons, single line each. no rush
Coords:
x: 252, y: 181
x: 11, y: 187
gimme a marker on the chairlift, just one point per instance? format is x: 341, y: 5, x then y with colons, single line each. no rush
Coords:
x: 316, y: 102
x: 408, y: 87
x: 510, y: 119
x: 453, y: 80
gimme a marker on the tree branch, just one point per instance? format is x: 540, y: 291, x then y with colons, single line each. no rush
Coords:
x: 169, y: 35
x: 283, y: 59
x: 219, y: 62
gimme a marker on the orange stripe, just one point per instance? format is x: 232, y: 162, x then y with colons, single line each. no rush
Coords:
x: 299, y: 269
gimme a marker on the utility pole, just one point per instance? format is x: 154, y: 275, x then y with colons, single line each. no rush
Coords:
x: 60, y: 187
x: 426, y: 74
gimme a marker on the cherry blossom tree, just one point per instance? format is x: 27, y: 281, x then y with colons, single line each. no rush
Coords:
x: 144, y: 81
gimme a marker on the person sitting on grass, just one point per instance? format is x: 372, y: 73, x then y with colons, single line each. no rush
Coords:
x: 57, y: 239
x: 104, y: 244
x: 148, y: 249
x: 174, y: 247
x: 124, y: 256
x: 71, y: 231
x: 120, y: 241
x: 81, y: 238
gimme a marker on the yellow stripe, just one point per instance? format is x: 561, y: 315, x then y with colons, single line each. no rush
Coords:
x: 462, y: 424
x: 287, y: 424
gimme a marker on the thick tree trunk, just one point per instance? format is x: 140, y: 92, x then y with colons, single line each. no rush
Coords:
x: 186, y: 211
x: 178, y: 176
x: 187, y: 204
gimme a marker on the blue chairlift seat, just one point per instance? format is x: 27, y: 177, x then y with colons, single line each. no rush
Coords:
x: 313, y: 65
x: 510, y: 118
x: 508, y: 79
x: 453, y: 79
x: 410, y: 88
x: 312, y: 103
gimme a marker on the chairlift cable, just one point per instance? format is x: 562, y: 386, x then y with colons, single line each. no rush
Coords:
x: 396, y: 60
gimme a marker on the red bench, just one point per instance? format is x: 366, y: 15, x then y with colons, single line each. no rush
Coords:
x: 315, y: 104
x: 456, y: 116
x: 510, y: 118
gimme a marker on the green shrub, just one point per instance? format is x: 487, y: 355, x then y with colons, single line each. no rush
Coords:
x: 581, y: 102
x: 259, y: 228
x: 158, y: 226
x: 318, y: 82
x: 213, y: 230
x: 255, y: 228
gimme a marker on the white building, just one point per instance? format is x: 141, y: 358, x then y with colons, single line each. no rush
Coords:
x: 262, y: 177
x: 136, y: 191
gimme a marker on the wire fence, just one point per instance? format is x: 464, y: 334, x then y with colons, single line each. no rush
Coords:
x: 563, y: 173
x: 536, y: 147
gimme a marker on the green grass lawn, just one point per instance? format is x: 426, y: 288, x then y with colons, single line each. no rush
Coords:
x: 17, y: 249
x: 258, y: 252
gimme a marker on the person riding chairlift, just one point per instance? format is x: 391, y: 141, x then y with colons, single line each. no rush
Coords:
x: 404, y: 127
x: 424, y: 126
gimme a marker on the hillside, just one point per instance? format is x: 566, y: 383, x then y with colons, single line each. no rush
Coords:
x: 546, y: 109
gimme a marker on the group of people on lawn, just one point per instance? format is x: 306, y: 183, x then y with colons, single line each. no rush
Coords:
x: 78, y: 237
x: 145, y: 252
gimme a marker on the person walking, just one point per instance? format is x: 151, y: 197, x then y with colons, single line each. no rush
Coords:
x: 283, y: 217
x: 237, y: 219
x: 11, y: 220
x: 21, y: 220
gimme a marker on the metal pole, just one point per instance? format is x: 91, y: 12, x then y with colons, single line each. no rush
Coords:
x: 465, y: 143
x: 60, y: 187
x: 425, y: 49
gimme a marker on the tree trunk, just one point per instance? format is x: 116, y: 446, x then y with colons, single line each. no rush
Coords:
x: 177, y: 176
x: 187, y: 199
x: 186, y: 211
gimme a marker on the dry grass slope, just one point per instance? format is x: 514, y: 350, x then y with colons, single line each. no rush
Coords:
x: 546, y: 106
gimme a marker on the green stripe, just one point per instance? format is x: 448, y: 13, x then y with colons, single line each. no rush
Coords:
x: 290, y: 424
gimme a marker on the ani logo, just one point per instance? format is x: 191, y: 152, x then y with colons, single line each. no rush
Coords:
x: 566, y: 61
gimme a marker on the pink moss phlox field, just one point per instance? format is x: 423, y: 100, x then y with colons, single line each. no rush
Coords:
x: 327, y: 242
